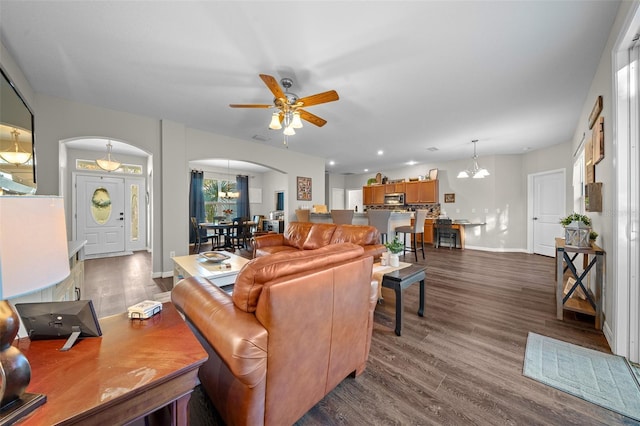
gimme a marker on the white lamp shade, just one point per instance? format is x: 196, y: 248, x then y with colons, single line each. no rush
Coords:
x: 275, y: 122
x: 463, y: 174
x: 33, y: 244
x: 296, y: 123
x: 289, y: 131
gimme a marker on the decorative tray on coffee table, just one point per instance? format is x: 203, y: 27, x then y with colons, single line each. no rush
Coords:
x: 214, y: 256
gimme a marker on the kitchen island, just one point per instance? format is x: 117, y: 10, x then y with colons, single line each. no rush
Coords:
x: 397, y: 218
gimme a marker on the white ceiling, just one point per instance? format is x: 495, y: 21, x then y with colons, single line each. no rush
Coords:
x: 411, y: 75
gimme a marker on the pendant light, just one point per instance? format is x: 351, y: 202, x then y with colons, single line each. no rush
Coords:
x: 108, y: 163
x: 475, y: 171
x: 229, y: 194
x: 15, y: 155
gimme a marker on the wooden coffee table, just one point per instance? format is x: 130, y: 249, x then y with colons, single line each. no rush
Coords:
x: 400, y: 280
x: 136, y: 367
x: 218, y: 273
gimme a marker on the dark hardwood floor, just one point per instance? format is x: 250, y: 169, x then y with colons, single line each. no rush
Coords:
x: 459, y: 364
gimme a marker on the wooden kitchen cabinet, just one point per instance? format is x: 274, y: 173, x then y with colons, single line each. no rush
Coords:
x: 367, y: 195
x: 378, y: 194
x: 373, y: 195
x: 425, y: 191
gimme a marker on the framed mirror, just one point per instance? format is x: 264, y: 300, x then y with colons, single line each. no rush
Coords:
x: 17, y: 142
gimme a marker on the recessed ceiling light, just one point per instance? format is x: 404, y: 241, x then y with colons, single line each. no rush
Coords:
x: 332, y: 163
x: 412, y: 163
x: 366, y: 170
x: 380, y: 152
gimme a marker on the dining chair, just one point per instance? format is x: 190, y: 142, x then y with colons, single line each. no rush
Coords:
x: 202, y: 235
x: 240, y: 233
x: 303, y: 215
x: 413, y: 231
x: 342, y: 217
x: 445, y: 231
x: 379, y: 219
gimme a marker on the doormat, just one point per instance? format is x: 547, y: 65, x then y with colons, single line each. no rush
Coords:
x: 603, y: 379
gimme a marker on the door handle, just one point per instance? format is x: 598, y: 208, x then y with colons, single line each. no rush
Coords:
x: 535, y: 218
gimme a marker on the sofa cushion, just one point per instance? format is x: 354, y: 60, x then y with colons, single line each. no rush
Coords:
x: 319, y: 236
x: 356, y: 234
x: 296, y: 234
x: 257, y: 272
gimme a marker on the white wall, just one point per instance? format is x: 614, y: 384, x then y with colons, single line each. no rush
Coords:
x: 603, y: 222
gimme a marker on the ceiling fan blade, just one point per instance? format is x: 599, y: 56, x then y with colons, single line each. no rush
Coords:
x: 319, y: 98
x: 250, y: 106
x: 273, y: 85
x: 311, y: 118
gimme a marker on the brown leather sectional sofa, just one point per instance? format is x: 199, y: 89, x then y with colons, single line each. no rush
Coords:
x: 298, y: 323
x: 309, y: 236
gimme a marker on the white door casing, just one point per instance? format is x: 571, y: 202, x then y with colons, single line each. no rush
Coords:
x: 548, y: 197
x: 100, y: 213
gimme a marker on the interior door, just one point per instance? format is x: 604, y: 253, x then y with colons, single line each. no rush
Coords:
x: 100, y: 213
x: 548, y: 207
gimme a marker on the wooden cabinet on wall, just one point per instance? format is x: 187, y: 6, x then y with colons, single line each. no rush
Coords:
x: 367, y: 195
x: 378, y: 194
x: 394, y: 188
x: 373, y: 194
x: 425, y: 191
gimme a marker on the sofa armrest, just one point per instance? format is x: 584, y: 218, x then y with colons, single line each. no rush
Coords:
x: 236, y: 336
x: 267, y: 240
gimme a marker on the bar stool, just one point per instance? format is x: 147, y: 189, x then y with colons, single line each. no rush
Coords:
x: 380, y: 220
x: 342, y: 217
x: 303, y: 215
x: 414, y: 230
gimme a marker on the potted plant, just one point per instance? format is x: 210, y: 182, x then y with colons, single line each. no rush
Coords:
x: 394, y: 247
x: 577, y: 228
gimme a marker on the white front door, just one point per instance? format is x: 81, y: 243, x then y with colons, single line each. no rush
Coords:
x: 100, y: 213
x: 548, y: 207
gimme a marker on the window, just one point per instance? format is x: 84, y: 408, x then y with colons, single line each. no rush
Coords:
x: 215, y: 206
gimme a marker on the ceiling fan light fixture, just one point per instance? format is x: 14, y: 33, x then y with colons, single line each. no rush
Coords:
x: 289, y: 130
x: 108, y: 163
x: 15, y: 155
x: 275, y: 122
x: 296, y: 123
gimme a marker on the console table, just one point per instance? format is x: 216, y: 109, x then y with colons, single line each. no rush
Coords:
x: 593, y: 255
x: 135, y: 368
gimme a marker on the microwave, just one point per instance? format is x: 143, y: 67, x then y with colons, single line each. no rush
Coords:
x: 396, y: 199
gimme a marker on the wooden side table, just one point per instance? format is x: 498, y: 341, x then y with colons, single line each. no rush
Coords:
x: 135, y: 368
x: 398, y: 281
x: 593, y: 303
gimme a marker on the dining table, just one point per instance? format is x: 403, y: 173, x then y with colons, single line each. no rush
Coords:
x: 226, y: 230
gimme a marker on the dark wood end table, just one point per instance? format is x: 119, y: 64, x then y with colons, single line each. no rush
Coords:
x: 135, y: 368
x: 398, y: 281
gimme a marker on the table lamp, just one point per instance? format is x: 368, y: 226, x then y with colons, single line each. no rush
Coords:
x: 33, y: 256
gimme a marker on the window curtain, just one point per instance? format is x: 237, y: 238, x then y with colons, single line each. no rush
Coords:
x: 242, y: 204
x: 196, y: 201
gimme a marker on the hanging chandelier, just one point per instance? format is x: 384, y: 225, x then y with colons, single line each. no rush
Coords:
x: 15, y: 155
x: 229, y: 194
x: 475, y: 171
x: 108, y: 163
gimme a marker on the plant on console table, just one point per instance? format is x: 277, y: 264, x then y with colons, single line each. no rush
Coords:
x: 394, y: 247
x: 577, y: 230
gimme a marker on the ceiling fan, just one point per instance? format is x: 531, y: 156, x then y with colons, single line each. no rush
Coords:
x: 290, y: 106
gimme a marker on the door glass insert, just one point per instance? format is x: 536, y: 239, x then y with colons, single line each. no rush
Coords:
x: 135, y: 214
x: 101, y: 206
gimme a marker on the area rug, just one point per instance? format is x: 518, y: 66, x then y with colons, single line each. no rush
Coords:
x: 603, y: 379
